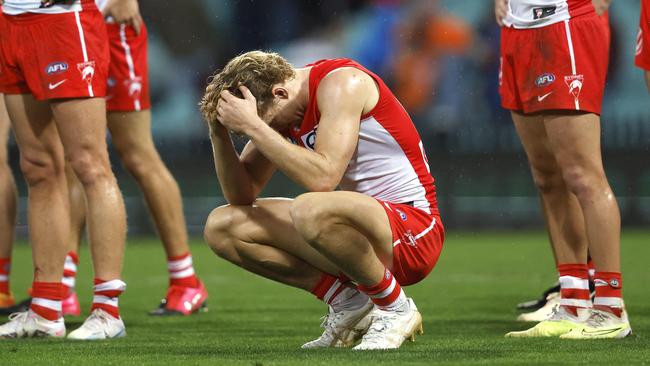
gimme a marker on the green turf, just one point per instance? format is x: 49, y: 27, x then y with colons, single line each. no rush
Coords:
x: 467, y: 304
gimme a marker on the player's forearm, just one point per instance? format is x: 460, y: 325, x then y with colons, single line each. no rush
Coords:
x: 233, y: 178
x: 307, y: 168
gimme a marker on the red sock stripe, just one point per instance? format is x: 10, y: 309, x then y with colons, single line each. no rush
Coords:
x: 74, y: 257
x: 178, y: 257
x: 386, y: 301
x: 380, y: 286
x: 324, y: 284
x: 574, y: 293
x: 608, y: 284
x: 69, y: 273
x: 48, y: 290
x: 112, y: 310
x: 44, y: 312
x: 5, y: 265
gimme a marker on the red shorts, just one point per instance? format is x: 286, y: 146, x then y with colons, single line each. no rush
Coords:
x: 128, y: 82
x: 561, y: 66
x: 642, y: 58
x: 54, y: 56
x: 417, y: 241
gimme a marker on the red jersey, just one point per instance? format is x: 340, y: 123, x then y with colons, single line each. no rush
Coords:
x: 642, y: 55
x: 389, y: 162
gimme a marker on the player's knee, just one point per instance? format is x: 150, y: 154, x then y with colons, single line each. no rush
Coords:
x: 140, y: 163
x: 309, y: 217
x: 89, y: 167
x: 582, y: 182
x: 218, y: 231
x: 40, y: 168
x: 548, y: 181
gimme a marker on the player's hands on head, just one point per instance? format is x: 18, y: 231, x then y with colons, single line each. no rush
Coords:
x: 601, y: 6
x: 237, y: 114
x: 500, y: 10
x: 124, y: 12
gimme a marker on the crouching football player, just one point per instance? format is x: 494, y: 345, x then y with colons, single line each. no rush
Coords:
x: 330, y: 124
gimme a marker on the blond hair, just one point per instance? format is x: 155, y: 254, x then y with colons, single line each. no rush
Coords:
x: 257, y: 70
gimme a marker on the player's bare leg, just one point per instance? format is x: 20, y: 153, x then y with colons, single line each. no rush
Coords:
x: 562, y: 212
x: 647, y: 79
x: 565, y: 225
x: 575, y: 140
x: 7, y: 209
x: 262, y: 239
x: 77, y: 199
x: 132, y: 138
x: 82, y: 126
x: 41, y: 160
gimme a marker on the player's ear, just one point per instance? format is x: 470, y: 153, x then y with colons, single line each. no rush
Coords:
x: 280, y: 92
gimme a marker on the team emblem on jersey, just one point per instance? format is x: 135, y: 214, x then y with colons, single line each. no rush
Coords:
x: 402, y: 215
x: 409, y: 239
x: 309, y: 139
x: 574, y: 82
x: 539, y: 13
x: 56, y: 68
x: 545, y: 79
x: 87, y: 70
x: 134, y: 86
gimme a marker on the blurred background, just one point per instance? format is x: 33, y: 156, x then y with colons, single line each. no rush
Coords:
x: 440, y: 57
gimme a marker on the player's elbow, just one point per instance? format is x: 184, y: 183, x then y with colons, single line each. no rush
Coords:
x: 322, y: 185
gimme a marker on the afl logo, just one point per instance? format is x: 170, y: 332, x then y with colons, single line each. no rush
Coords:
x: 544, y: 80
x: 56, y: 68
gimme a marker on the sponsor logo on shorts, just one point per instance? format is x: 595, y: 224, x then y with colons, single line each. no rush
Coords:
x: 56, y: 68
x: 539, y: 13
x: 545, y: 79
x: 574, y: 82
x: 402, y: 215
x: 540, y: 98
x: 87, y: 70
x: 52, y: 86
x: 309, y: 139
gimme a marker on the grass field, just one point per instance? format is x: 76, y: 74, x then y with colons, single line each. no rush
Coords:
x: 467, y: 304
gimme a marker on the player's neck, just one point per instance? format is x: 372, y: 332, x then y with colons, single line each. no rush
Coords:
x: 302, y: 85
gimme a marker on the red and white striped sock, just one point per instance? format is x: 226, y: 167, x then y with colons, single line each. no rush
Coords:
x: 574, y: 286
x: 5, y: 269
x: 70, y: 272
x: 46, y: 299
x: 387, y: 294
x: 181, y: 271
x: 609, y: 292
x: 106, y: 296
x: 329, y: 287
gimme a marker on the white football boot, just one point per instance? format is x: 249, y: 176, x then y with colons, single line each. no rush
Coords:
x: 559, y: 323
x: 343, y: 328
x: 389, y: 329
x: 29, y: 324
x: 601, y: 325
x: 543, y: 313
x: 99, y: 325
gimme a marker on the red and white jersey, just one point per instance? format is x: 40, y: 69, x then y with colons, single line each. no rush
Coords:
x: 540, y: 13
x: 15, y: 7
x: 389, y: 162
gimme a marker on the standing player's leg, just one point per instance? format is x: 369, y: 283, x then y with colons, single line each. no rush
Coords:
x: 565, y: 225
x: 7, y: 209
x: 129, y: 121
x: 575, y: 140
x: 82, y: 126
x: 41, y: 160
x: 131, y: 137
x: 77, y: 201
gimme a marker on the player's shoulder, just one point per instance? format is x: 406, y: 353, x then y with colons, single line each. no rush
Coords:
x: 344, y: 81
